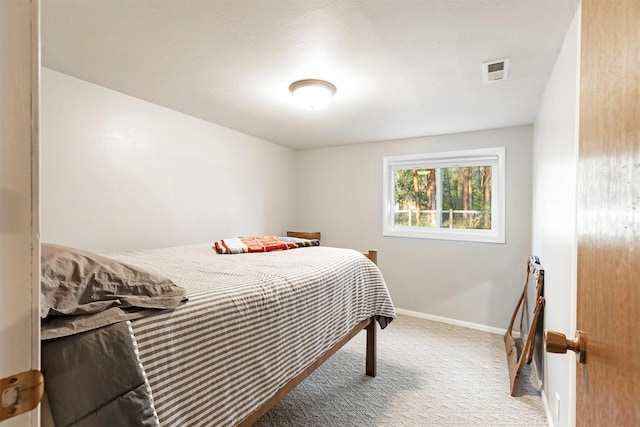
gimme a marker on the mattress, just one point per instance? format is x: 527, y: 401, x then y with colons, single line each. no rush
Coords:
x: 252, y: 322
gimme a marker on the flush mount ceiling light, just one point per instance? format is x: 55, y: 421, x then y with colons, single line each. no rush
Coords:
x: 312, y: 93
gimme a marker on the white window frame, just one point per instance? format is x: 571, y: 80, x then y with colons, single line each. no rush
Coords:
x: 494, y: 157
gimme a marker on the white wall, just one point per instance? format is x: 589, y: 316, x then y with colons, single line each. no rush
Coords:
x: 555, y: 158
x: 119, y: 173
x: 340, y: 194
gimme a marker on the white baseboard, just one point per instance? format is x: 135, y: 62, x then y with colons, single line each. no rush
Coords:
x: 455, y: 322
x: 545, y: 404
x: 543, y: 394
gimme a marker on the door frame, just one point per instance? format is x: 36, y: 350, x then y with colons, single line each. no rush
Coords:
x: 19, y: 194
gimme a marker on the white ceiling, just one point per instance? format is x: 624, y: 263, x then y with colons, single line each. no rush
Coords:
x: 403, y: 68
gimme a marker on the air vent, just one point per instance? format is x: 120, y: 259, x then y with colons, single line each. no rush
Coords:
x: 496, y: 70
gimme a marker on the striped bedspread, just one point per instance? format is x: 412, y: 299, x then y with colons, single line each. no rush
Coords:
x: 253, y: 321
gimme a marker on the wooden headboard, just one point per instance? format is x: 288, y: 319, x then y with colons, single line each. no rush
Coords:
x: 311, y: 235
x: 315, y: 235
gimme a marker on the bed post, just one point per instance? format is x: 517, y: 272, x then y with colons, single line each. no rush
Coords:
x: 371, y: 348
x: 372, y: 255
x: 371, y: 330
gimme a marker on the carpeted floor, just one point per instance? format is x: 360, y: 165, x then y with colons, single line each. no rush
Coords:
x: 429, y: 374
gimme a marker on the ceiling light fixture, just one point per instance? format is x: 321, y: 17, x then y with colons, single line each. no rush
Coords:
x: 312, y: 93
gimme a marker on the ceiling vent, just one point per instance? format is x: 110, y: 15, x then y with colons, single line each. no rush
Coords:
x: 496, y: 70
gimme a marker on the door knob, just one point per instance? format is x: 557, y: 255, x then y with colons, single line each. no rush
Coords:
x: 555, y: 342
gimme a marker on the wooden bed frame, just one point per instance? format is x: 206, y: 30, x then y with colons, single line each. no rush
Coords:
x: 371, y: 359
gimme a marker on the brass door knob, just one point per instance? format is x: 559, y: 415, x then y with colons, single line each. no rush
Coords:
x: 555, y: 342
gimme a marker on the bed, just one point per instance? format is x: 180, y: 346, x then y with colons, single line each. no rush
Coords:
x: 246, y: 330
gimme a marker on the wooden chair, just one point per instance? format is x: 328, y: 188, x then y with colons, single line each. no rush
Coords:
x: 515, y: 358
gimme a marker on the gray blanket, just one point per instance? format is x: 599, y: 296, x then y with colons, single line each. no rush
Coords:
x: 96, y: 379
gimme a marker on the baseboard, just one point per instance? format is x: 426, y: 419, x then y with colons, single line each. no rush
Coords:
x: 534, y: 366
x: 545, y: 405
x: 455, y: 322
x: 543, y: 394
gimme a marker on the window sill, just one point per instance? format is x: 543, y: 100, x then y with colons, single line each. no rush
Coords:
x: 447, y: 234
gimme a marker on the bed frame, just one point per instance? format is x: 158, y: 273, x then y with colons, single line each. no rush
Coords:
x: 370, y: 369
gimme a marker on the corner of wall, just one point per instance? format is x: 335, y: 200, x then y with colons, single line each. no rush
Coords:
x: 554, y: 236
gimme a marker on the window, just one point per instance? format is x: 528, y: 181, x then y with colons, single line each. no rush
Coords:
x: 454, y: 195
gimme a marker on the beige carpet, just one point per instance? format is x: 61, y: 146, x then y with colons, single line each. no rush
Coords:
x: 429, y: 374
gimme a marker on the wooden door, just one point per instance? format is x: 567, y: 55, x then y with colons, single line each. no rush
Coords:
x: 608, y: 223
x: 19, y: 219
